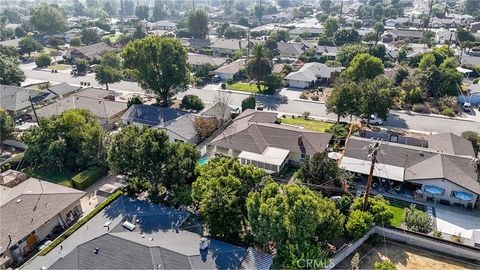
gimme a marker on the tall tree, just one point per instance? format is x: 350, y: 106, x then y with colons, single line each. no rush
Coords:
x: 326, y: 6
x: 344, y: 36
x: 7, y: 126
x: 330, y: 26
x: 198, y: 23
x: 48, y: 19
x: 90, y: 36
x: 159, y: 65
x: 10, y: 72
x: 319, y: 169
x: 343, y: 99
x: 348, y: 52
x: 28, y: 45
x: 376, y: 97
x: 259, y: 65
x: 159, y: 10
x: 364, y: 66
x: 108, y: 8
x: 142, y: 12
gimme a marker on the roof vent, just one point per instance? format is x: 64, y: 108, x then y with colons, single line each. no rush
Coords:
x: 19, y: 200
x: 96, y: 250
x: 421, y: 153
x: 204, y: 243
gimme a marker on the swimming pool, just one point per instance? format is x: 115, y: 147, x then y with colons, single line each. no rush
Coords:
x: 203, y: 161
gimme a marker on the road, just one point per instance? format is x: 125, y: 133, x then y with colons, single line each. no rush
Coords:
x: 398, y: 120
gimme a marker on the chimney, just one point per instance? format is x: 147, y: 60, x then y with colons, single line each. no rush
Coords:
x: 300, y: 140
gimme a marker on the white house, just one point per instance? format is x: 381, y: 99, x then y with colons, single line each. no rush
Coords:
x: 310, y: 74
x: 162, y: 25
x: 229, y: 71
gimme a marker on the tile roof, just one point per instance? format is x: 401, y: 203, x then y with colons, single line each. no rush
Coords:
x: 27, y: 206
x: 451, y: 144
x: 254, y: 131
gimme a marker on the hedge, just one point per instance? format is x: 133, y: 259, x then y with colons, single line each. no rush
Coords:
x: 80, y: 223
x: 88, y: 177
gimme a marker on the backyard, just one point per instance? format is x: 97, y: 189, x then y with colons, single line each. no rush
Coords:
x: 397, y: 216
x: 308, y: 124
x: 244, y: 87
x: 61, y: 177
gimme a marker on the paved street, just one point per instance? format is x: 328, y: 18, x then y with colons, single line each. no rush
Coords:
x: 396, y: 119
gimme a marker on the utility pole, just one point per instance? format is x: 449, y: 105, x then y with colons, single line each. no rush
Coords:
x: 260, y: 15
x: 193, y: 4
x: 341, y: 11
x: 34, y: 111
x: 372, y: 154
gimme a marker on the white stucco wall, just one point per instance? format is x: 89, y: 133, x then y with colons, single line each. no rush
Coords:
x: 449, y: 187
x: 298, y: 84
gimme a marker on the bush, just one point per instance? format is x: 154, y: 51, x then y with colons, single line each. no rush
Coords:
x: 223, y: 86
x: 385, y: 265
x: 456, y: 238
x: 338, y: 131
x: 417, y: 220
x: 15, y: 160
x: 359, y: 223
x: 437, y: 234
x: 249, y: 103
x: 306, y: 115
x: 88, y: 177
x: 420, y: 108
x: 476, y: 80
x: 42, y: 60
x: 75, y: 42
x: 192, y: 102
x: 448, y: 112
x: 304, y: 95
x: 315, y: 97
x: 5, y: 167
x: 79, y: 224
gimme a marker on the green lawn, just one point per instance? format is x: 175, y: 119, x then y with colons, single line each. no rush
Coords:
x: 59, y: 67
x: 307, y: 124
x: 244, y: 87
x: 397, y: 216
x: 63, y: 177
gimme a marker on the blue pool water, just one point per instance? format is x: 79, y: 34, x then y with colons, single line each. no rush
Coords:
x: 203, y: 161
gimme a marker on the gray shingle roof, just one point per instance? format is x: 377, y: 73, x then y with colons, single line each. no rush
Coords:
x: 151, y: 115
x: 93, y: 51
x: 451, y: 144
x: 63, y: 89
x: 14, y: 98
x: 200, y: 59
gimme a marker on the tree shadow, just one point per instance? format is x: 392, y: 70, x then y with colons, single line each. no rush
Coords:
x: 271, y: 102
x: 394, y: 120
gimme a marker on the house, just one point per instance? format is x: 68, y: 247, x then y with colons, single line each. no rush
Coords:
x: 162, y: 25
x: 150, y: 115
x: 29, y: 212
x: 10, y: 43
x: 291, y: 49
x: 447, y: 23
x: 254, y: 138
x: 390, y: 24
x: 72, y: 33
x: 444, y: 36
x: 63, y: 89
x: 442, y: 172
x: 91, y: 53
x: 15, y: 99
x: 309, y: 31
x: 196, y: 60
x: 223, y: 46
x: 138, y: 234
x: 329, y: 51
x: 472, y: 96
x: 475, y: 26
x: 231, y: 70
x: 195, y: 43
x: 401, y: 34
x: 310, y: 74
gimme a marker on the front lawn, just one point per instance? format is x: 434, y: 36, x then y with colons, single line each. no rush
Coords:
x: 308, y: 124
x: 245, y: 87
x: 59, y: 67
x: 397, y: 216
x: 61, y: 177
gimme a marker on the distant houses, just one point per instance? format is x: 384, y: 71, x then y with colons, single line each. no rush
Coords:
x: 91, y: 53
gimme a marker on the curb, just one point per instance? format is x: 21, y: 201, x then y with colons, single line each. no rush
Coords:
x: 433, y: 115
x: 309, y: 101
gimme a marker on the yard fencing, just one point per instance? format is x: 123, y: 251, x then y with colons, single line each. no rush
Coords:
x: 410, y: 238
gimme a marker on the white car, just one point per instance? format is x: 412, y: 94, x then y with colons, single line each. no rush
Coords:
x: 374, y: 120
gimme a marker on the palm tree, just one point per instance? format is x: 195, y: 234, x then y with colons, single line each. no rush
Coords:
x: 259, y: 65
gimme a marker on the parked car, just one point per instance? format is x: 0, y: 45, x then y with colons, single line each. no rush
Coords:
x: 467, y: 107
x: 375, y: 120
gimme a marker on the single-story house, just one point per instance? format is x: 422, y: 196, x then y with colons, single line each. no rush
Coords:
x: 265, y: 29
x: 91, y: 52
x: 447, y: 23
x: 196, y: 60
x: 472, y: 96
x: 291, y: 49
x: 150, y: 115
x: 195, y: 43
x: 401, y: 34
x: 70, y: 34
x: 390, y: 24
x: 223, y: 46
x: 472, y: 58
x: 475, y: 26
x: 329, y: 51
x: 310, y: 74
x: 310, y: 31
x: 231, y: 70
x: 162, y: 25
x: 15, y: 99
x: 137, y: 234
x: 443, y: 172
x: 29, y: 212
x: 63, y: 89
x: 10, y: 42
x: 443, y: 36
x: 254, y: 138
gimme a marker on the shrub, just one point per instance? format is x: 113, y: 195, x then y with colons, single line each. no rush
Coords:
x: 192, y: 102
x: 229, y: 81
x: 249, y: 103
x: 15, y: 160
x: 358, y: 223
x: 223, y: 86
x: 378, y: 207
x: 437, y: 233
x: 5, y: 167
x: 42, y: 60
x: 338, y: 131
x: 448, y: 112
x: 304, y: 95
x: 134, y: 100
x: 315, y: 97
x: 385, y: 265
x: 306, y: 115
x: 476, y: 80
x: 79, y: 224
x: 456, y: 238
x: 417, y: 220
x: 75, y: 42
x: 420, y: 108
x: 88, y: 177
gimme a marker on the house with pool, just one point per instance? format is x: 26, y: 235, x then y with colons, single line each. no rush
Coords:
x: 445, y: 171
x: 255, y: 138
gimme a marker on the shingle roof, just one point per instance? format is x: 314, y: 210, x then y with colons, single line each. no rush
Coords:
x: 27, y: 206
x: 451, y: 144
x: 232, y: 68
x: 229, y: 44
x: 257, y: 260
x: 151, y: 115
x: 14, y: 98
x: 254, y: 131
x: 310, y: 71
x: 63, y: 89
x: 95, y: 50
x: 200, y: 59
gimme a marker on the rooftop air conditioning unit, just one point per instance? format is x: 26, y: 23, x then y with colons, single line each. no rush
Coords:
x: 128, y: 225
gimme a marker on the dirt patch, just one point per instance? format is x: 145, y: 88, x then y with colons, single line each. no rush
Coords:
x: 406, y: 257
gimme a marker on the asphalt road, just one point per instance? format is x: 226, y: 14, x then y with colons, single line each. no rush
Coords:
x: 396, y: 119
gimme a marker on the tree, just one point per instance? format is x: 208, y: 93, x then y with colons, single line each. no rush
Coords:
x: 259, y: 65
x: 319, y: 169
x: 10, y: 72
x: 378, y: 28
x: 139, y: 32
x: 280, y: 35
x: 377, y: 206
x: 198, y: 23
x: 82, y: 65
x: 385, y: 265
x: 348, y: 52
x: 159, y: 10
x: 400, y: 75
x: 364, y: 66
x: 220, y: 192
x: 75, y: 42
x: 378, y: 11
x: 55, y: 42
x: 273, y: 82
x: 427, y: 62
x: 78, y: 8
x: 108, y: 8
x: 74, y: 139
x: 293, y: 220
x: 326, y: 5
x: 158, y: 64
x: 376, y: 97
x: 343, y: 36
x: 42, y: 60
x: 192, y: 102
x: 134, y: 100
x: 105, y: 75
x: 204, y: 127
x: 249, y: 103
x: 147, y: 155
x: 330, y: 26
x: 358, y: 223
x: 7, y: 126
x: 20, y: 32
x: 465, y: 35
x: 90, y: 36
x: 27, y: 45
x: 48, y: 19
x: 343, y: 99
x: 474, y: 138
x: 470, y: 6
x: 284, y: 4
x: 142, y: 12
x: 417, y: 220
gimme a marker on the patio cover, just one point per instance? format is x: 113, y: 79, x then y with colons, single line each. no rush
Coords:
x: 463, y: 70
x: 381, y: 170
x: 271, y: 155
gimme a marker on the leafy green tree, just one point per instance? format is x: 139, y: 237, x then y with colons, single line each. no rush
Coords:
x: 365, y: 66
x: 358, y: 223
x: 48, y: 19
x: 294, y: 220
x: 326, y: 6
x: 108, y: 8
x: 192, y: 102
x: 330, y: 26
x: 319, y: 169
x: 220, y: 192
x: 385, y: 265
x: 249, y: 103
x: 75, y: 42
x: 82, y: 65
x: 378, y: 28
x: 42, y: 60
x: 377, y: 206
x: 378, y: 11
x: 474, y: 138
x: 139, y: 32
x: 158, y: 64
x: 344, y: 36
x: 283, y: 4
x: 198, y: 23
x: 20, y: 32
x: 27, y: 45
x: 470, y: 6
x: 376, y: 97
x: 7, y: 126
x: 134, y: 100
x: 147, y: 155
x: 348, y: 52
x: 10, y: 72
x: 443, y: 81
x: 74, y: 139
x: 280, y: 35
x: 343, y: 99
x: 465, y: 35
x: 401, y: 74
x: 90, y: 36
x: 427, y: 62
x: 370, y: 37
x: 417, y: 220
x: 274, y: 82
x: 159, y: 10
x: 259, y: 65
x: 55, y: 42
x: 142, y: 12
x: 105, y: 75
x: 8, y: 51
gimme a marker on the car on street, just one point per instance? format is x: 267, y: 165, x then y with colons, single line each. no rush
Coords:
x: 375, y: 120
